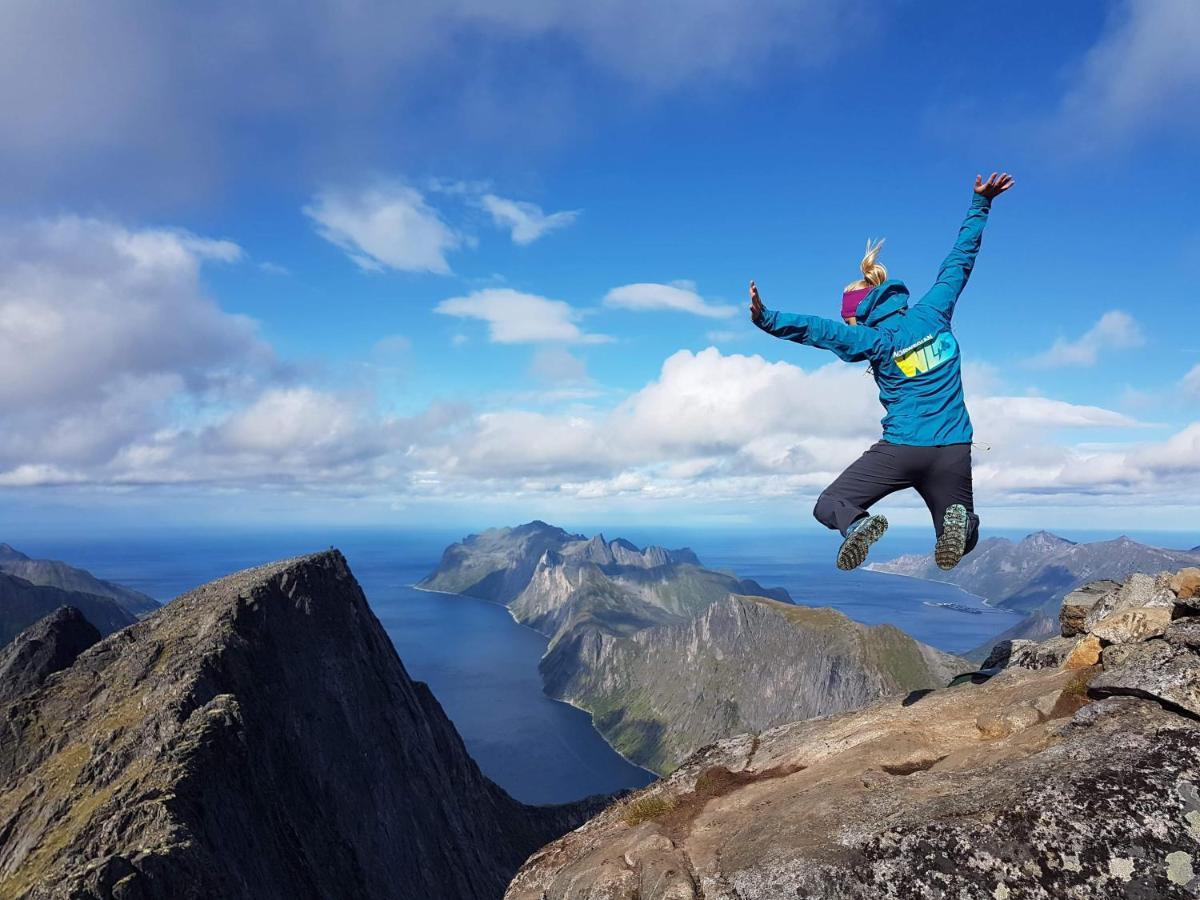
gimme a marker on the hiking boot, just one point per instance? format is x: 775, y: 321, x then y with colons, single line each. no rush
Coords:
x: 953, y: 542
x: 863, y: 534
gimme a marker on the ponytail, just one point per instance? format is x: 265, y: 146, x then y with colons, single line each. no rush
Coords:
x: 874, y: 273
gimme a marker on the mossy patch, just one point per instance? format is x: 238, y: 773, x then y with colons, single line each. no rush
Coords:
x: 645, y: 809
x: 1074, y: 695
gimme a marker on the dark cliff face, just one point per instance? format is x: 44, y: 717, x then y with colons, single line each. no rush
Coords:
x: 258, y: 737
x: 22, y: 603
x: 45, y: 647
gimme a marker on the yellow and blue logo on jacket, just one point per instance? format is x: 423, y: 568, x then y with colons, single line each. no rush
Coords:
x: 926, y: 354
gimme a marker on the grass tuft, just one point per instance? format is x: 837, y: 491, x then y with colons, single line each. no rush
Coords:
x: 645, y: 809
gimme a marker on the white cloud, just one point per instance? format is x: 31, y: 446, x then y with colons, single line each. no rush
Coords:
x: 118, y: 95
x: 999, y: 414
x: 556, y: 364
x: 1191, y: 382
x: 385, y: 227
x: 679, y: 296
x: 87, y: 306
x: 1143, y: 72
x: 526, y: 221
x: 1115, y: 330
x: 514, y: 317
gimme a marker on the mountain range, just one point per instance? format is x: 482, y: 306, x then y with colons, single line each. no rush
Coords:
x: 1032, y: 575
x: 668, y: 655
x: 31, y: 589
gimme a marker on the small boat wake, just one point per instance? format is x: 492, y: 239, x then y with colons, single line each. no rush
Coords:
x: 957, y: 607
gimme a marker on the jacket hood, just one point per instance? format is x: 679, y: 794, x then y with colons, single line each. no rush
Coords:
x: 885, y: 300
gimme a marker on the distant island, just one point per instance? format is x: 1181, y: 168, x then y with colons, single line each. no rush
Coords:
x: 1031, y: 576
x: 668, y: 655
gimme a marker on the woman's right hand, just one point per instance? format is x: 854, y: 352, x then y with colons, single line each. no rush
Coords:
x: 756, y: 307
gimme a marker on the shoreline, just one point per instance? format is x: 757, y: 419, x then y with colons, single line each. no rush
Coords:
x: 570, y: 703
x: 984, y: 600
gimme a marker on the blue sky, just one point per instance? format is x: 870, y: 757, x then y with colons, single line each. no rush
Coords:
x: 464, y: 263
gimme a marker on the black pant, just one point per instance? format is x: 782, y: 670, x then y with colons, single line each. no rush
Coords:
x: 941, y: 475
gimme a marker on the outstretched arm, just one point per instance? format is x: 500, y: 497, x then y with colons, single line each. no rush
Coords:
x: 956, y: 268
x: 850, y: 342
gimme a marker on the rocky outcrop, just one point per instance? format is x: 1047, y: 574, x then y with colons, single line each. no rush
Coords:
x: 1045, y: 780
x: 52, y: 573
x: 256, y: 738
x: 23, y: 603
x: 743, y: 664
x: 46, y: 647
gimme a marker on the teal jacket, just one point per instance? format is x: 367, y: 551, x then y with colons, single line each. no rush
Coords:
x: 913, y: 353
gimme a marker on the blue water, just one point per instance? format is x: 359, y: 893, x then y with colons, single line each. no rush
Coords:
x: 482, y: 666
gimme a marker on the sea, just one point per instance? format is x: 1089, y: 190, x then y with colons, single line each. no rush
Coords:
x: 482, y: 665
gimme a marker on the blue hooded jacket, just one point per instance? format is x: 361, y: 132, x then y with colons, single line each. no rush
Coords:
x: 912, y: 351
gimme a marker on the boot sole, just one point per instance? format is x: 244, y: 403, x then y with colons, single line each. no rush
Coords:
x: 854, y: 548
x: 953, y: 543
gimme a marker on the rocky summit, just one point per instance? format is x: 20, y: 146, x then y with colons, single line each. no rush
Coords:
x: 45, y: 647
x: 1067, y: 768
x: 255, y: 738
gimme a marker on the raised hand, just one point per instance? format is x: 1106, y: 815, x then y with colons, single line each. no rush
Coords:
x: 756, y: 307
x: 994, y: 186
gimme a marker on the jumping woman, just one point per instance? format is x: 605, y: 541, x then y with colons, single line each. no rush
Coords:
x: 914, y: 358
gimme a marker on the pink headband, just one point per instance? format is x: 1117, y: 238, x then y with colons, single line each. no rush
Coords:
x: 851, y: 299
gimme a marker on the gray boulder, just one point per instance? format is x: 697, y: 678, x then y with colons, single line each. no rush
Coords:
x: 1138, y: 590
x: 1077, y: 605
x: 1159, y: 670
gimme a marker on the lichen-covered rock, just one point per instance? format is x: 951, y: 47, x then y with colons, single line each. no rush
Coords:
x: 906, y: 802
x: 1157, y: 669
x: 1021, y: 654
x: 1084, y: 654
x: 1184, y: 633
x: 1079, y: 603
x: 1129, y: 626
x: 1138, y: 590
x: 1185, y: 584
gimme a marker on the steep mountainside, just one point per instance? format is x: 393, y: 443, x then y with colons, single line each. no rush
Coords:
x: 256, y: 738
x: 742, y: 664
x: 22, y: 604
x: 667, y: 654
x: 1073, y: 773
x: 1030, y: 576
x: 45, y: 647
x: 52, y: 573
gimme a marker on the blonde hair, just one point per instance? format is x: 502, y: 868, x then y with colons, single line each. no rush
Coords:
x: 873, y: 272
